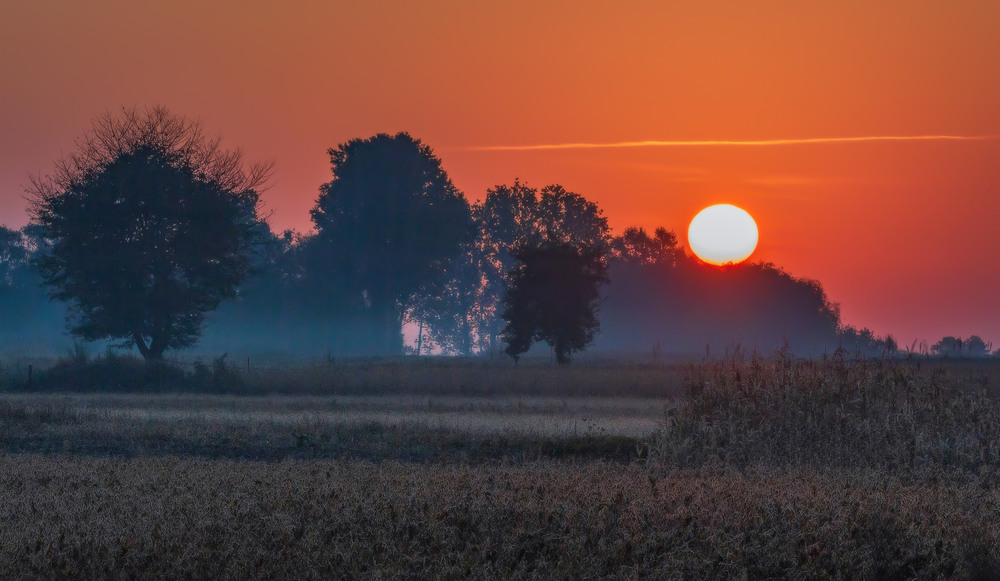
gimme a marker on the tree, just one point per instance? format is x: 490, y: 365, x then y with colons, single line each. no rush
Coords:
x: 569, y: 217
x: 13, y: 255
x: 447, y: 304
x: 28, y: 320
x: 553, y: 297
x: 14, y: 271
x: 388, y: 222
x: 636, y: 247
x: 683, y: 305
x: 976, y: 347
x: 517, y: 215
x: 271, y: 308
x: 948, y: 347
x: 150, y: 225
x: 863, y: 341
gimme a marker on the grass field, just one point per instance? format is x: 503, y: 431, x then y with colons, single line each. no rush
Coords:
x: 757, y: 468
x: 382, y: 427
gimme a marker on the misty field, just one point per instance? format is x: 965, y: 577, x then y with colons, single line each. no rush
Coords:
x: 751, y: 468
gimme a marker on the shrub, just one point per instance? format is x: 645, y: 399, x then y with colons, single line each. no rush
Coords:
x: 832, y: 412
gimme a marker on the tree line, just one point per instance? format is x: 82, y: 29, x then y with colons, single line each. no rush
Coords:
x: 153, y: 235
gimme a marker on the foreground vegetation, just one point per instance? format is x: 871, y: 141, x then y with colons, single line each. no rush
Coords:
x: 754, y: 468
x: 175, y: 518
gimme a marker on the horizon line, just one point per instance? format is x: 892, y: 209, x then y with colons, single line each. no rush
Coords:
x: 731, y: 142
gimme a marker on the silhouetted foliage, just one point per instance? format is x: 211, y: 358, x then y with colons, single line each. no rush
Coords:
x: 950, y: 346
x: 517, y: 215
x: 274, y: 309
x: 13, y: 254
x: 865, y: 343
x: 388, y: 222
x: 976, y: 347
x: 123, y: 373
x: 693, y: 307
x: 14, y: 271
x: 150, y: 225
x: 447, y: 304
x: 553, y: 297
x: 29, y: 322
x: 569, y: 217
x: 634, y: 246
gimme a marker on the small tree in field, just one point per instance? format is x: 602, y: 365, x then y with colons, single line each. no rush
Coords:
x: 553, y: 297
x: 151, y: 225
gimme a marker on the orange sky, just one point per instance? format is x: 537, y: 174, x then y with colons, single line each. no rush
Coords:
x: 902, y: 234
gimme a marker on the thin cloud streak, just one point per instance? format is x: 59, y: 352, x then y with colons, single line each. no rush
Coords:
x: 734, y: 142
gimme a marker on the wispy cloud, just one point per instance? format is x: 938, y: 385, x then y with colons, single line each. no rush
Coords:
x: 812, y: 181
x: 733, y: 142
x: 661, y: 168
x: 788, y: 180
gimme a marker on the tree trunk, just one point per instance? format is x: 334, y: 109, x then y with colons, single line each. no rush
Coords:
x: 391, y: 331
x: 562, y: 354
x: 156, y: 350
x: 152, y: 352
x: 140, y: 342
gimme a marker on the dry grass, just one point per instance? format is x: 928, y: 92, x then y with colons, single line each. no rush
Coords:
x: 774, y: 468
x: 887, y: 415
x: 473, y: 377
x: 450, y: 429
x: 174, y: 518
x: 481, y: 415
x: 424, y: 376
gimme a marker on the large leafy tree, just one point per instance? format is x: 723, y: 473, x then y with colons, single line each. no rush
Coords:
x: 150, y: 224
x: 387, y: 225
x: 569, y: 217
x: 515, y: 216
x: 553, y: 297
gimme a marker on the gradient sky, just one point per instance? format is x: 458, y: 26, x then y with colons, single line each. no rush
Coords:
x: 903, y: 234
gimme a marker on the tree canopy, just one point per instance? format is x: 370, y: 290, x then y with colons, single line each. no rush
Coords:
x: 973, y: 346
x: 553, y: 297
x: 517, y: 215
x: 635, y: 246
x: 150, y: 225
x: 387, y: 224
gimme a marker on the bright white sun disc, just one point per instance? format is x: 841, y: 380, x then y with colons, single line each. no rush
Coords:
x: 722, y: 234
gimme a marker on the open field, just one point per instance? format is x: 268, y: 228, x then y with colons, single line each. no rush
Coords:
x: 750, y: 468
x: 402, y: 427
x: 424, y: 376
x: 88, y: 518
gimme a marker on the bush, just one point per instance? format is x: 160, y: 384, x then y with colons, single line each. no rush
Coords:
x: 114, y: 372
x: 833, y: 413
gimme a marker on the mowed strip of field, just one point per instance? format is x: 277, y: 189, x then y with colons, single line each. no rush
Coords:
x: 423, y: 376
x: 406, y: 427
x: 89, y: 518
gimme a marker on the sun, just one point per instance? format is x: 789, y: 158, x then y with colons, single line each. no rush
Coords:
x: 722, y: 234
